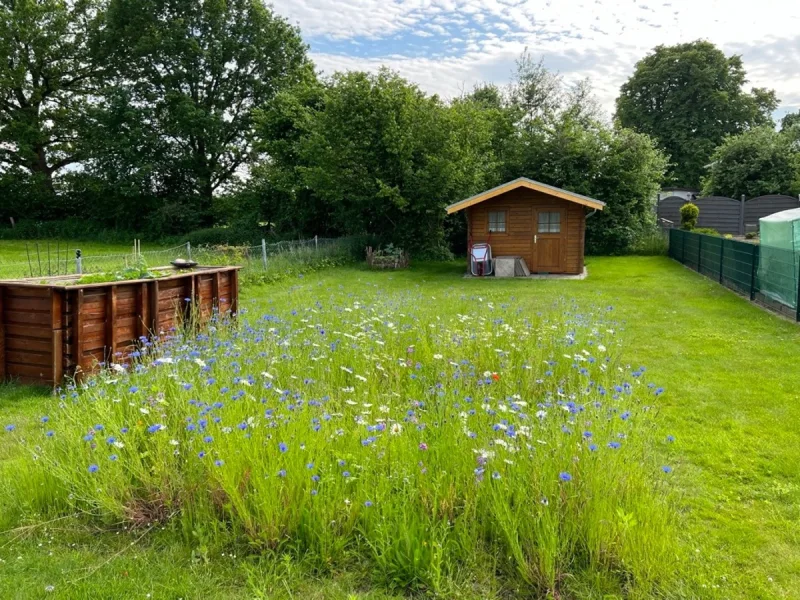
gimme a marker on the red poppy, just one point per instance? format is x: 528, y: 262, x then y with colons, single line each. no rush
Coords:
x: 495, y: 376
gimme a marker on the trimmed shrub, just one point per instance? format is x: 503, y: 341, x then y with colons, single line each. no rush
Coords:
x: 689, y: 215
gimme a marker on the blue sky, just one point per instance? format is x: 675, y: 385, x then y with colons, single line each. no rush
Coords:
x: 447, y: 46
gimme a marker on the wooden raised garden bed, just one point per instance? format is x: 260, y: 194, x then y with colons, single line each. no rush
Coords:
x: 54, y: 328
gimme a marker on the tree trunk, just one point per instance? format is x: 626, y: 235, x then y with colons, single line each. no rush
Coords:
x: 42, y: 170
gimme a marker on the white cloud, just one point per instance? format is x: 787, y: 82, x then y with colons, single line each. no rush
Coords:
x: 601, y: 39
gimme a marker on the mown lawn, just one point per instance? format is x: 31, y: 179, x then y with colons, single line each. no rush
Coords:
x: 732, y: 401
x: 20, y: 258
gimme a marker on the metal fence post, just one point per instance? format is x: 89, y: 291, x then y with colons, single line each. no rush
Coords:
x: 741, y: 215
x: 797, y: 298
x: 78, y: 262
x: 699, y: 252
x: 721, y: 258
x: 189, y: 250
x: 316, y: 244
x: 264, y: 252
x: 753, y: 263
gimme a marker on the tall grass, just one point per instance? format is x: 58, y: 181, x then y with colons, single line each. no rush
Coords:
x: 429, y: 438
x: 651, y: 243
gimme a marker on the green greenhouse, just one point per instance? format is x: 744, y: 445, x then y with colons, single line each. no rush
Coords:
x: 779, y: 257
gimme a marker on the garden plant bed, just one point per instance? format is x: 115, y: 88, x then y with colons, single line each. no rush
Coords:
x: 54, y: 327
x: 387, y: 258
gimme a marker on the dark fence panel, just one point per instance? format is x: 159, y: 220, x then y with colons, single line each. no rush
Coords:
x: 735, y: 265
x: 720, y: 213
x: 726, y: 215
x: 763, y: 206
x: 669, y: 209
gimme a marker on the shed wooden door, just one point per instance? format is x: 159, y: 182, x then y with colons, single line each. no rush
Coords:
x: 549, y: 240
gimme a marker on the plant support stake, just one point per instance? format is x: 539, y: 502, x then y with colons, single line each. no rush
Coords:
x: 264, y: 252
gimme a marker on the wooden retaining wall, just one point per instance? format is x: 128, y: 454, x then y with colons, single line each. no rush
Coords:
x: 49, y: 331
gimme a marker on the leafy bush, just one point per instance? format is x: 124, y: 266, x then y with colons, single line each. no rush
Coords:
x: 414, y: 447
x: 689, y: 215
x: 706, y: 231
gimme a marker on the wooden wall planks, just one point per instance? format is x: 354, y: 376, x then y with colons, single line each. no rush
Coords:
x: 48, y: 332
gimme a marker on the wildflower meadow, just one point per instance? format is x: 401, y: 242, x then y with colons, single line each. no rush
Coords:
x: 427, y: 437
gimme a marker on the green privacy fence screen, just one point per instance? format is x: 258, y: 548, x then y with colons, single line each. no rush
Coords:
x: 770, y: 279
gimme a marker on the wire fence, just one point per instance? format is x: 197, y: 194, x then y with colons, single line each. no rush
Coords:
x: 265, y: 258
x: 766, y: 275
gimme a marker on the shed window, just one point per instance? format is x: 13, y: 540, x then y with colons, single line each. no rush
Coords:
x: 497, y: 221
x: 549, y: 222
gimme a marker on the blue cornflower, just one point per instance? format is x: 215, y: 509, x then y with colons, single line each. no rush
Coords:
x: 154, y: 428
x: 98, y: 427
x: 495, y: 475
x: 93, y: 468
x: 208, y: 439
x: 315, y: 478
x: 201, y: 454
x: 219, y: 462
x: 283, y: 447
x: 314, y: 492
x: 564, y: 476
x: 342, y: 463
x: 133, y: 389
x: 10, y: 427
x: 670, y: 438
x: 614, y: 445
x: 666, y: 469
x: 110, y: 439
x: 625, y: 416
x: 368, y: 503
x: 88, y: 437
x: 310, y: 466
x: 282, y: 473
x: 50, y: 433
x: 593, y: 447
x: 45, y: 419
x: 113, y: 457
x: 346, y: 474
x: 124, y: 430
x: 587, y: 434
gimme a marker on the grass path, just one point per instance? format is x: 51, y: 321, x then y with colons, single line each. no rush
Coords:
x: 733, y: 402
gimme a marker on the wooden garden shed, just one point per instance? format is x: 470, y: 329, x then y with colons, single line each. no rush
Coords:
x: 543, y: 224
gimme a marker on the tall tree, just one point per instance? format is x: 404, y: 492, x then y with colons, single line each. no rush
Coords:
x: 757, y: 162
x: 192, y: 74
x: 688, y: 98
x: 371, y: 153
x: 790, y: 120
x: 47, y: 72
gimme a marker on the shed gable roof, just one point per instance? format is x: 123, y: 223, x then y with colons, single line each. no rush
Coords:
x: 532, y: 185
